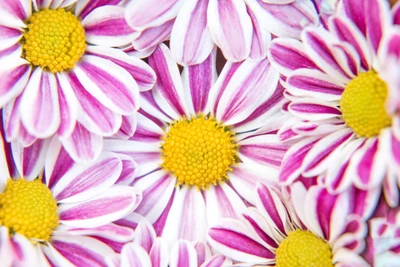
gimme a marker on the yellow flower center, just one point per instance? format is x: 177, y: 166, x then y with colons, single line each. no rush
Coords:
x: 54, y: 40
x: 363, y: 104
x: 199, y: 151
x: 28, y: 208
x: 303, y: 249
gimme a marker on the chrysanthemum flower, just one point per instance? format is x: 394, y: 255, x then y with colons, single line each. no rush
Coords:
x: 242, y: 29
x: 61, y: 75
x: 339, y: 102
x: 51, y: 208
x: 195, y: 144
x: 149, y: 250
x: 311, y: 228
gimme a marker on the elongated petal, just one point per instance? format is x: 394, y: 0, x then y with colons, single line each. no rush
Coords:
x: 231, y: 28
x: 9, y: 37
x: 109, y: 206
x: 106, y: 26
x: 168, y: 92
x: 61, y: 3
x: 85, y: 7
x: 16, y: 11
x: 203, y: 252
x: 217, y: 261
x: 82, y: 145
x: 25, y: 253
x: 191, y: 41
x: 253, y: 83
x: 87, y: 180
x: 138, y: 69
x: 150, y: 38
x: 183, y: 254
x: 378, y: 18
x: 313, y: 110
x: 355, y: 10
x: 5, y: 247
x: 197, y: 82
x: 159, y: 253
x: 129, y: 170
x: 108, y: 83
x: 145, y: 235
x: 260, y: 39
x: 133, y: 255
x: 40, y: 109
x: 159, y: 12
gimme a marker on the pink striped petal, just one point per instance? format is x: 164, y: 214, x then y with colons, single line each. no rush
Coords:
x: 325, y: 213
x: 40, y: 109
x: 378, y: 18
x: 346, y: 258
x: 285, y: 20
x: 14, y: 76
x: 24, y: 252
x: 11, y: 120
x: 319, y: 46
x: 148, y: 39
x: 355, y: 233
x: 158, y: 188
x: 287, y: 55
x: 183, y: 254
x: 133, y: 255
x: 9, y: 37
x: 314, y: 83
x: 145, y: 235
x: 159, y: 13
x: 41, y: 4
x: 347, y: 58
x: 187, y: 216
x: 260, y: 39
x: 364, y: 202
x: 217, y: 261
x: 159, y: 253
x: 86, y: 180
x: 78, y: 250
x: 231, y: 28
x: 138, y: 69
x: 314, y: 110
x: 82, y: 145
x: 355, y: 10
x: 253, y: 83
x: 30, y: 160
x: 129, y: 170
x: 234, y: 240
x: 6, y: 249
x: 269, y: 203
x: 203, y: 252
x: 325, y: 9
x: 191, y: 41
x: 346, y: 31
x: 109, y: 206
x: 168, y: 92
x: 318, y: 128
x: 24, y: 138
x: 292, y: 165
x: 128, y: 127
x: 106, y: 26
x: 61, y: 3
x: 85, y: 7
x: 222, y: 202
x: 108, y: 83
x: 391, y: 189
x: 197, y: 82
x: 16, y: 12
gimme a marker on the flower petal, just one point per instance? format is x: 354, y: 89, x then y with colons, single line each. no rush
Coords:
x: 378, y: 18
x: 85, y: 7
x: 159, y: 253
x: 145, y: 235
x: 6, y: 249
x: 134, y: 255
x: 217, y: 261
x: 191, y: 42
x: 183, y: 254
x: 107, y: 207
x: 16, y: 12
x: 9, y: 37
x: 106, y: 26
x: 148, y: 39
x: 25, y: 253
x: 260, y: 39
x: 231, y: 28
x: 310, y: 110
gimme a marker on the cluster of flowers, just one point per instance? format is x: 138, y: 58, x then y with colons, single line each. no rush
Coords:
x: 200, y: 133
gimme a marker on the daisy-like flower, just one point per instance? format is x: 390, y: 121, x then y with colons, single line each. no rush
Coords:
x: 149, y: 250
x: 339, y: 102
x: 241, y: 28
x: 311, y: 228
x: 60, y: 74
x: 196, y: 145
x: 51, y: 208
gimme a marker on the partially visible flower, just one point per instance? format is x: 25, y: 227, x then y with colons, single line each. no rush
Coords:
x: 51, y: 208
x: 61, y: 75
x: 311, y: 228
x: 342, y: 122
x: 200, y: 143
x: 242, y: 29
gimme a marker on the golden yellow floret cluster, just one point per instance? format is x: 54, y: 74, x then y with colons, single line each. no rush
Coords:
x: 54, y: 40
x: 28, y: 208
x: 198, y: 151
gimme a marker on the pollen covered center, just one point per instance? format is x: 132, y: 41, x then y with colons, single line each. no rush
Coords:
x: 54, y: 40
x: 363, y: 104
x: 28, y: 208
x: 303, y: 249
x: 198, y: 151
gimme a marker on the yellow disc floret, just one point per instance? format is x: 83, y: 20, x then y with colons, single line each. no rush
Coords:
x: 199, y: 151
x: 28, y: 208
x: 303, y: 249
x: 363, y: 104
x: 54, y: 40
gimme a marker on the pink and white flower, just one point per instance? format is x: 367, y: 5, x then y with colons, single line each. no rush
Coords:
x: 321, y: 228
x: 87, y: 101
x: 245, y: 97
x: 336, y: 91
x: 240, y: 28
x: 86, y: 201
